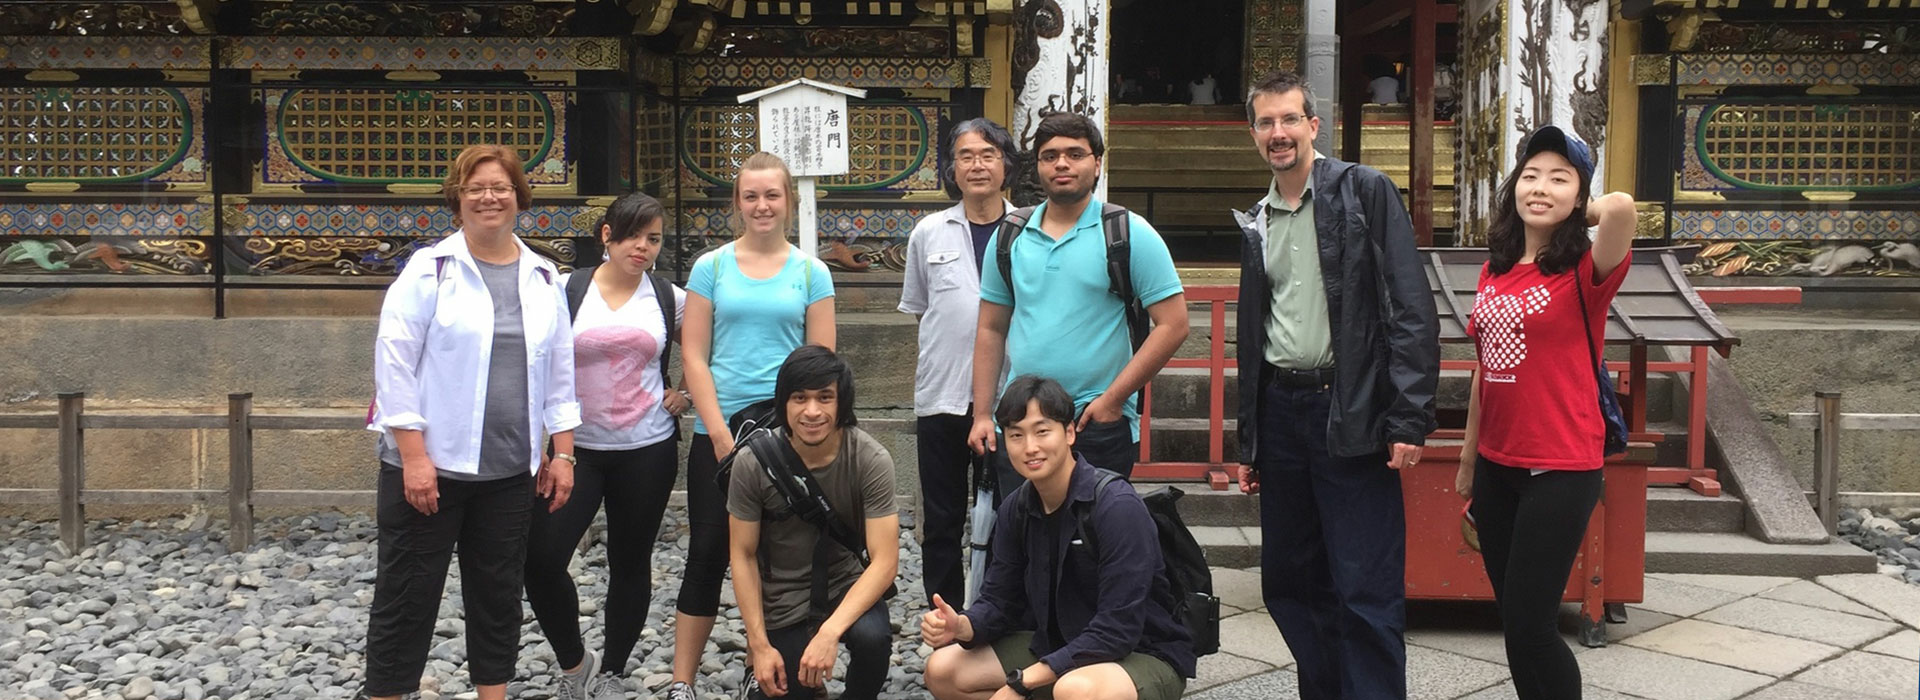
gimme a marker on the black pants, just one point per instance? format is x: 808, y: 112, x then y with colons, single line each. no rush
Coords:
x: 634, y: 485
x: 1530, y: 531
x: 1334, y: 552
x: 487, y: 521
x: 869, y: 644
x: 1109, y: 446
x: 945, y: 481
x: 707, y: 536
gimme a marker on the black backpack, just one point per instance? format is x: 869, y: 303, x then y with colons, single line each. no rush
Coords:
x: 662, y: 292
x: 1194, y: 604
x: 1115, y: 223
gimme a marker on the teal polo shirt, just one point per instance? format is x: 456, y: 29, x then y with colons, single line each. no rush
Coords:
x: 1066, y: 325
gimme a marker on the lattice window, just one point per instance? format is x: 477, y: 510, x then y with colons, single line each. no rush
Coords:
x: 407, y: 136
x: 1812, y: 146
x: 891, y: 146
x: 100, y: 134
x: 654, y: 141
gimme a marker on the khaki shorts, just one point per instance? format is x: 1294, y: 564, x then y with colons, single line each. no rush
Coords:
x: 1152, y: 678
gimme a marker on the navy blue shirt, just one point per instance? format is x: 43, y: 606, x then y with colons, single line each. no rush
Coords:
x: 1104, y: 605
x: 981, y: 234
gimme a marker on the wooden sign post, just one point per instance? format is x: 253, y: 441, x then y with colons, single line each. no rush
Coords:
x: 805, y: 123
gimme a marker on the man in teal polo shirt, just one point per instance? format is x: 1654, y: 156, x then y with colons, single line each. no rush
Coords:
x: 1067, y: 325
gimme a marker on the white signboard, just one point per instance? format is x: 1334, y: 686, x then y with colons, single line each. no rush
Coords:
x: 805, y: 123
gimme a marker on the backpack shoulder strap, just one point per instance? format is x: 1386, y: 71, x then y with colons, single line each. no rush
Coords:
x: 577, y: 290
x: 1010, y: 228
x: 807, y: 499
x: 663, y: 292
x: 1083, y: 515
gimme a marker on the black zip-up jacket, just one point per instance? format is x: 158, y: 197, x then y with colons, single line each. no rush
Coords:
x: 1103, y: 605
x: 1386, y: 342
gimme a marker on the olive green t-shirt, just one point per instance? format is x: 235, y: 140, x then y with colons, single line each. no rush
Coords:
x: 859, y: 486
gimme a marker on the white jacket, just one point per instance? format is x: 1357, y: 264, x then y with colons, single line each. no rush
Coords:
x: 431, y: 354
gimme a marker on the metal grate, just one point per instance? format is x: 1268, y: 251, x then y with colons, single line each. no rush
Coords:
x: 93, y: 134
x: 389, y: 136
x: 1813, y: 146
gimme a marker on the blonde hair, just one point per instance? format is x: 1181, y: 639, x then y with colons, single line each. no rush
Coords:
x: 477, y: 155
x: 763, y: 160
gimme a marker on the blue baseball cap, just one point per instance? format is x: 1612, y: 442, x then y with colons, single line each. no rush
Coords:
x: 1563, y: 142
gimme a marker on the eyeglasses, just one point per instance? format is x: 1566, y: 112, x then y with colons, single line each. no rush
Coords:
x: 479, y: 191
x: 1073, y: 155
x: 982, y: 158
x: 1290, y: 121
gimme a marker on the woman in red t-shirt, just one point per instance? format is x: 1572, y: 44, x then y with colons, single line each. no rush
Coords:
x: 1531, y: 462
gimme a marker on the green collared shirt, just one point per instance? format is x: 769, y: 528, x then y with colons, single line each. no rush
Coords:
x: 1299, y: 335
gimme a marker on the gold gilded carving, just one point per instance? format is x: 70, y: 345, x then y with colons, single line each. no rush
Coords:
x: 1652, y: 69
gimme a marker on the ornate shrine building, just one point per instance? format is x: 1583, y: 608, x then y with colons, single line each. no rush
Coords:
x: 300, y: 143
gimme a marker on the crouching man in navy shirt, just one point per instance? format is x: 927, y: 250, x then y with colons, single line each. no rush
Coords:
x: 1063, y: 614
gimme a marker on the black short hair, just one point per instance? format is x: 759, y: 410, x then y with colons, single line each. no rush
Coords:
x: 1280, y: 83
x: 1055, y: 404
x: 996, y: 136
x: 1070, y: 125
x: 628, y: 214
x: 814, y: 367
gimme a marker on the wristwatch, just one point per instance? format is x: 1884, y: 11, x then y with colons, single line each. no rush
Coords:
x: 1019, y: 688
x: 570, y: 459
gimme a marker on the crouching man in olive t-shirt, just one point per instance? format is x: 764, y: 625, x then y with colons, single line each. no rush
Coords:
x: 800, y: 592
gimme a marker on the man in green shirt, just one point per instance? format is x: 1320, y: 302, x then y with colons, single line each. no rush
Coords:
x: 1339, y: 358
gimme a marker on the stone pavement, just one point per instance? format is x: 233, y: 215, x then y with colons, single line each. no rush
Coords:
x: 1696, y: 637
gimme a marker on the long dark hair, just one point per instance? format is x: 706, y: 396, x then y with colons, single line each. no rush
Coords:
x: 1507, y: 234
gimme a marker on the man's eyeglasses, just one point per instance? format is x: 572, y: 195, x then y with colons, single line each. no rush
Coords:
x: 479, y: 191
x: 1290, y: 121
x: 985, y: 158
x: 1073, y: 155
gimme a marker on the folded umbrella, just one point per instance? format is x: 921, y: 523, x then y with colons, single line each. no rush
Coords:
x: 983, y: 515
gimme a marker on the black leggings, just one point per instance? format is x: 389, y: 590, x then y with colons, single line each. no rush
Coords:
x: 634, y: 484
x: 869, y: 644
x: 1530, y: 531
x: 707, y: 539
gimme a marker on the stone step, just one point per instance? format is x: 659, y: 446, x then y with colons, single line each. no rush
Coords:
x: 1146, y: 136
x: 1667, y: 552
x: 1681, y: 510
x: 1228, y: 157
x: 1195, y: 176
x: 1228, y: 546
x: 1201, y: 506
x: 1740, y: 555
x: 1174, y: 112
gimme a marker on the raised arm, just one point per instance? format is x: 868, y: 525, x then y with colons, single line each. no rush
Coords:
x: 1614, y: 214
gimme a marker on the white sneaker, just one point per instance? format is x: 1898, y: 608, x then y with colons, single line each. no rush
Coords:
x: 680, y: 690
x: 572, y: 685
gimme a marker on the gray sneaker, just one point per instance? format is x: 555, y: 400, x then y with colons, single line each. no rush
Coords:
x: 680, y: 690
x: 573, y: 685
x: 607, y: 686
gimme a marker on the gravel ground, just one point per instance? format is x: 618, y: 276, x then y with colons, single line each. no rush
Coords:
x: 1892, y: 535
x: 159, y: 609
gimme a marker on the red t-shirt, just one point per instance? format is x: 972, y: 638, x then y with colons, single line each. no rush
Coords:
x: 1539, y: 405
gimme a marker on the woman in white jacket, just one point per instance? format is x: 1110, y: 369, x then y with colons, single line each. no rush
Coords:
x: 473, y: 367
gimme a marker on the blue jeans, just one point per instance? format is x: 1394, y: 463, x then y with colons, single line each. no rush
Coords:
x: 1334, y: 551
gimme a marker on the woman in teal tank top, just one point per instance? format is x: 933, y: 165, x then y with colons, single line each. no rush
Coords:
x: 749, y: 303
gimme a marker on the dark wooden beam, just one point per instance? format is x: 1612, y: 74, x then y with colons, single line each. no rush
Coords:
x: 1374, y: 16
x: 1420, y: 130
x: 1353, y: 94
